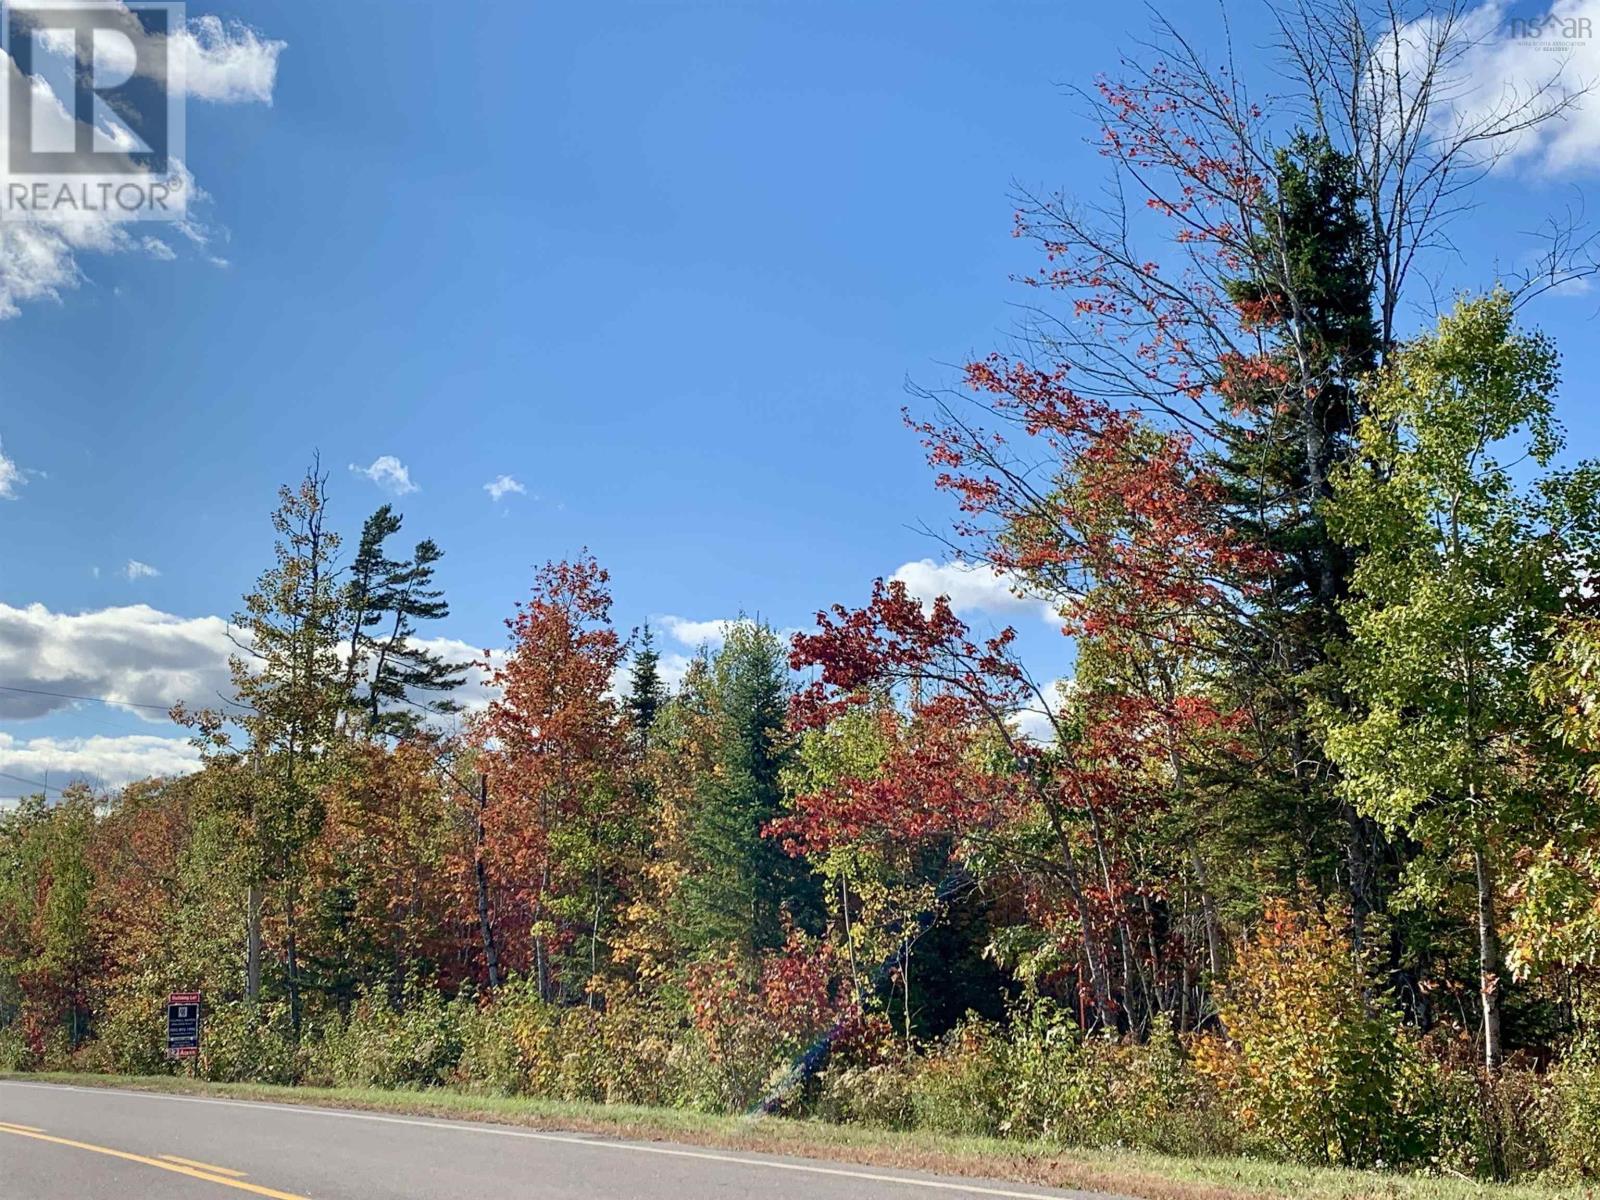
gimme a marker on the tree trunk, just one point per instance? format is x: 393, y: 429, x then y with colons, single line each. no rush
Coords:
x: 481, y: 875
x: 1208, y: 905
x: 1208, y: 912
x: 291, y: 961
x: 1124, y: 934
x: 1157, y: 1001
x: 594, y: 940
x: 850, y: 941
x: 1488, y: 957
x: 1104, y: 1009
x: 905, y: 984
x: 252, y: 953
x: 541, y: 955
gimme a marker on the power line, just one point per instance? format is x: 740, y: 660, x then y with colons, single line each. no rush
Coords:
x: 32, y: 783
x: 4, y: 687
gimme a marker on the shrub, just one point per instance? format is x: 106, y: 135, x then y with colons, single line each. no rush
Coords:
x: 960, y: 1087
x: 132, y: 1030
x: 632, y: 1051
x: 877, y: 1094
x: 15, y: 1053
x: 1315, y: 1065
x: 247, y: 1043
x: 1489, y: 1127
x: 1576, y: 1084
x: 503, y: 1040
x: 1041, y: 1077
x: 1155, y: 1099
x: 416, y: 1045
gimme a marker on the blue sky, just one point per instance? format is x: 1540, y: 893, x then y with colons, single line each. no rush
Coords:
x: 668, y: 265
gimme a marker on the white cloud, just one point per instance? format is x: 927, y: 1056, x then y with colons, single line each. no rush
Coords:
x: 476, y: 694
x: 504, y: 485
x: 39, y: 260
x: 693, y: 634
x: 670, y: 666
x: 227, y: 63
x: 157, y: 249
x: 99, y: 760
x: 389, y: 473
x: 1507, y: 58
x: 1578, y: 286
x: 135, y: 655
x: 206, y: 58
x: 137, y: 570
x: 970, y: 588
x: 477, y: 691
x: 10, y: 476
x: 1033, y: 720
x: 132, y: 654
x: 698, y: 634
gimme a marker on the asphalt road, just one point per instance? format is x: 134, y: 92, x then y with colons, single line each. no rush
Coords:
x: 67, y: 1143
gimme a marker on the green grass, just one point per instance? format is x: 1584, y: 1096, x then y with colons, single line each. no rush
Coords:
x: 1157, y: 1177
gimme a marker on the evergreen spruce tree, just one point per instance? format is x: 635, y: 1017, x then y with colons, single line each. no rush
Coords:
x: 646, y: 691
x: 741, y: 883
x: 1295, y: 412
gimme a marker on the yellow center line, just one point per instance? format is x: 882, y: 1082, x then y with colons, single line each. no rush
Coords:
x: 176, y: 1168
x: 20, y: 1128
x: 189, y: 1162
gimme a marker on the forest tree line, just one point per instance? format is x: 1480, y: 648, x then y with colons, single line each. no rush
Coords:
x: 1304, y: 857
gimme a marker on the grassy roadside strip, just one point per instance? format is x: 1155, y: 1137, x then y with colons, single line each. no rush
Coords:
x: 1152, y: 1176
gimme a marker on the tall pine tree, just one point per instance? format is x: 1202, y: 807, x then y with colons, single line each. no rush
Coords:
x: 394, y: 682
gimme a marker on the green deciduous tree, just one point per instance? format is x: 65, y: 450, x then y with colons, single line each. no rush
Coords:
x: 290, y: 692
x: 1465, y: 565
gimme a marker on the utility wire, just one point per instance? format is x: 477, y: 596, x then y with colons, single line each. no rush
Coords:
x: 32, y: 782
x: 5, y: 687
x: 50, y: 787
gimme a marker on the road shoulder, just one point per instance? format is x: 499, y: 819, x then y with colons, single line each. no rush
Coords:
x: 1106, y: 1172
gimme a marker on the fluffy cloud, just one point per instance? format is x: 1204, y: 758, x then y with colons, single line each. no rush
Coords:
x: 693, y: 634
x: 1512, y: 57
x: 100, y: 761
x: 389, y: 473
x: 671, y: 666
x: 146, y: 659
x: 132, y: 655
x: 504, y: 485
x: 10, y: 476
x: 970, y: 588
x: 138, y: 570
x: 39, y: 260
x: 475, y: 694
x: 227, y: 63
x: 1033, y: 720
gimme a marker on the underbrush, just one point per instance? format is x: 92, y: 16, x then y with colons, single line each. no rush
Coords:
x: 1314, y: 1066
x: 1036, y: 1078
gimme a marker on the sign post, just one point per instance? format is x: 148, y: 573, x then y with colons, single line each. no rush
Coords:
x: 183, y: 1025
